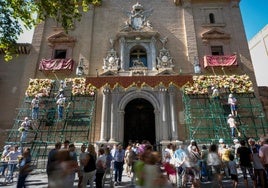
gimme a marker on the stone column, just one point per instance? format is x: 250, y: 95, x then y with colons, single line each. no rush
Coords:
x: 173, y: 113
x: 121, y: 126
x: 163, y: 91
x: 104, y: 115
x: 122, y: 41
x: 114, y: 116
x: 158, y: 126
x: 153, y: 49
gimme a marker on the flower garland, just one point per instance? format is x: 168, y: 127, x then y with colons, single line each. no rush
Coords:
x: 39, y: 87
x: 79, y: 87
x: 235, y: 84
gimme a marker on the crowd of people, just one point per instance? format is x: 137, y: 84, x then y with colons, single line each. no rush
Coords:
x: 15, y: 158
x: 220, y: 161
x: 176, y: 165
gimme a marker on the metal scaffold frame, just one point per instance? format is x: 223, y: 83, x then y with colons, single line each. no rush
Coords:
x: 75, y: 126
x: 206, y: 117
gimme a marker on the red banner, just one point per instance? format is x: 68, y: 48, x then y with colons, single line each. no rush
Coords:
x: 56, y: 64
x: 222, y: 60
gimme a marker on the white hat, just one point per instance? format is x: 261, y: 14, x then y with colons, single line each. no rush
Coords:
x: 192, y: 141
x: 221, y: 140
x: 230, y: 115
x: 230, y: 95
x: 236, y: 140
x: 6, y: 147
x: 26, y: 118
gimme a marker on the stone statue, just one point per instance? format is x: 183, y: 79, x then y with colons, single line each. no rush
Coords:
x: 137, y: 63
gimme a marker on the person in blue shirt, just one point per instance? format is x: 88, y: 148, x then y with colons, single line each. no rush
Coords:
x: 180, y: 157
x: 119, y: 156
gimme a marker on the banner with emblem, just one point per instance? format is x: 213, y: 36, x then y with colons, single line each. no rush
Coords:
x: 222, y: 60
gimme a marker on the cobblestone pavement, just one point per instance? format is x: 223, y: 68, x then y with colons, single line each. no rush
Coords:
x: 38, y: 179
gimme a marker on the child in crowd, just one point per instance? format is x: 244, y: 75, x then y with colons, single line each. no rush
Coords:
x: 233, y: 170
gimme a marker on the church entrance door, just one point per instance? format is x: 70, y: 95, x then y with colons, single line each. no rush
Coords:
x: 139, y: 121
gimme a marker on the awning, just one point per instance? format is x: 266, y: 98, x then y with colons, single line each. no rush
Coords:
x: 56, y: 64
x: 222, y: 60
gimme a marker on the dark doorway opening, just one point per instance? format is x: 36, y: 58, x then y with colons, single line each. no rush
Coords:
x: 139, y: 121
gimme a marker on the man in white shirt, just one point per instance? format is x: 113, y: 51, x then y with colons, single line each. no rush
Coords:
x: 232, y: 123
x: 61, y: 104
x: 26, y: 125
x: 13, y: 159
x: 233, y: 104
x: 35, y: 107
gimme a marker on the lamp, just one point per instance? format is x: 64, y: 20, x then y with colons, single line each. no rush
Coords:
x: 80, y: 68
x: 197, y: 68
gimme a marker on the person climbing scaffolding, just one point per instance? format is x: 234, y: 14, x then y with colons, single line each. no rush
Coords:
x: 233, y: 104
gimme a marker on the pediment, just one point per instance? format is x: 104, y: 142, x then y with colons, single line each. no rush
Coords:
x: 108, y: 73
x: 60, y: 37
x: 215, y: 34
x: 165, y: 72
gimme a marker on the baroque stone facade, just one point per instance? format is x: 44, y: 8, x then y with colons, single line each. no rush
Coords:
x: 149, y: 38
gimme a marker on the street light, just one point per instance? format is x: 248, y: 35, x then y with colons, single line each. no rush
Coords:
x: 80, y: 68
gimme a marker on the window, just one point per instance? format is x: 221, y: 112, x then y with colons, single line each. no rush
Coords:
x: 217, y: 50
x: 60, y: 54
x: 211, y: 18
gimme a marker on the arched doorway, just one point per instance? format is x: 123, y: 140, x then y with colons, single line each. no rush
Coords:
x: 139, y: 121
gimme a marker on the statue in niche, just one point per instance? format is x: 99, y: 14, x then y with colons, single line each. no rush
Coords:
x: 137, y: 18
x: 111, y: 62
x: 137, y: 63
x: 164, y: 60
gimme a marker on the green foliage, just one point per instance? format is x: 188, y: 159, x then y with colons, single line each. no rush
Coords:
x: 32, y: 12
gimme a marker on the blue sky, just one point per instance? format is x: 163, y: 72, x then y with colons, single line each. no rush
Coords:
x: 255, y: 16
x: 254, y: 13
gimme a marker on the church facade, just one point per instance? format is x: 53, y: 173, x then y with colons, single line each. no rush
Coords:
x: 139, y: 55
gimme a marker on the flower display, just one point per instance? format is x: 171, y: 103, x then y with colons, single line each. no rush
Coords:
x: 39, y: 87
x: 79, y: 87
x: 234, y: 83
x: 90, y: 90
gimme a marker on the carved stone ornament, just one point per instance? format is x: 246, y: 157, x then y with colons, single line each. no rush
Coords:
x: 60, y: 38
x: 164, y: 60
x: 215, y: 33
x: 111, y: 62
x: 137, y: 19
x: 138, y: 68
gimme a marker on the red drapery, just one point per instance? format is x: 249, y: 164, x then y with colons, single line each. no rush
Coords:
x: 56, y: 64
x: 223, y: 60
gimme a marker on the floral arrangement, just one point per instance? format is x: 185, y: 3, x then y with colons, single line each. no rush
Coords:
x: 79, y: 87
x: 39, y: 87
x: 234, y: 83
x: 90, y: 90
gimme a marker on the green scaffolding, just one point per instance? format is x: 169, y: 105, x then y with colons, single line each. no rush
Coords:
x: 206, y: 117
x: 76, y: 125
